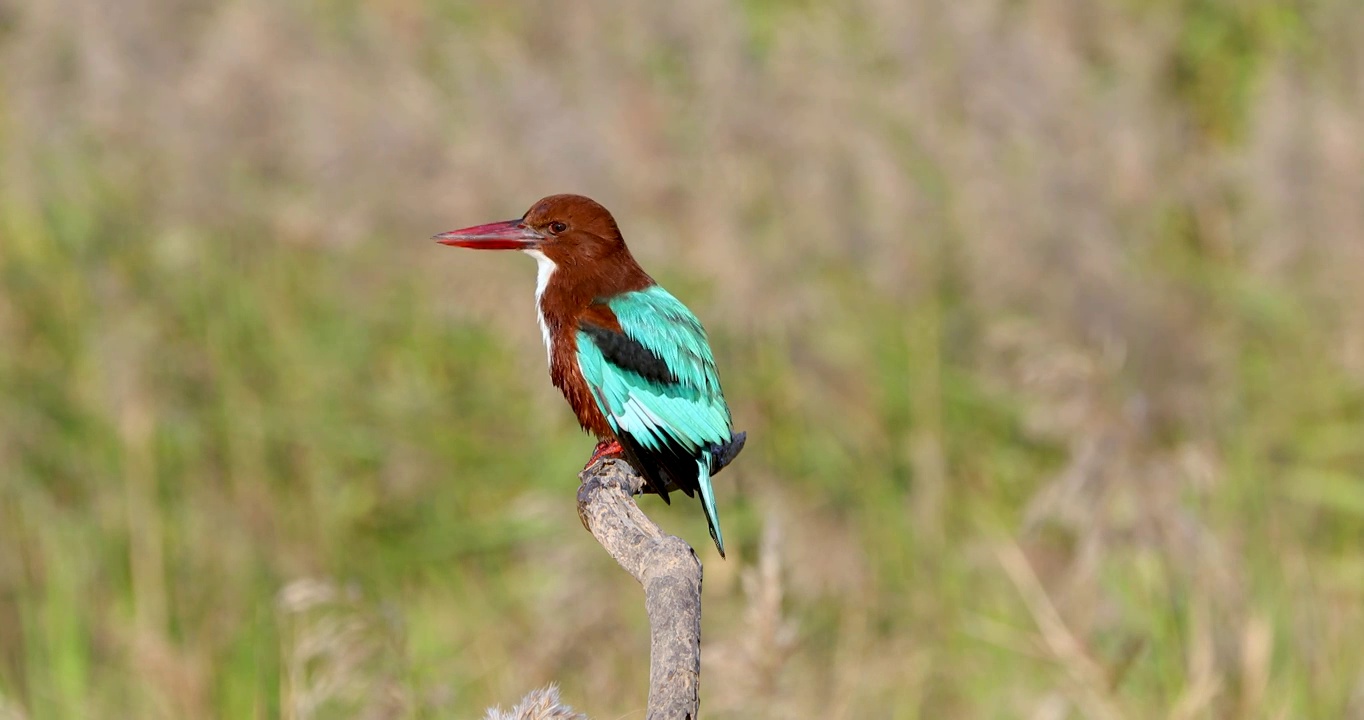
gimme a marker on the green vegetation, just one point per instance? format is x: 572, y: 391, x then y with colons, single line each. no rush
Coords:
x: 1045, y: 321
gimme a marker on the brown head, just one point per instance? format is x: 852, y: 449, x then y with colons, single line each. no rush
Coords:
x: 575, y: 240
x: 568, y: 229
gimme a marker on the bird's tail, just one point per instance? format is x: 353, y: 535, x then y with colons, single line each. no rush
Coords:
x: 721, y: 455
x: 708, y: 501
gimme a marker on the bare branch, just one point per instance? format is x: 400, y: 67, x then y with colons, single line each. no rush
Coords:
x: 670, y: 573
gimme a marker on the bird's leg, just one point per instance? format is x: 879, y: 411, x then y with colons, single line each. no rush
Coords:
x: 604, y: 448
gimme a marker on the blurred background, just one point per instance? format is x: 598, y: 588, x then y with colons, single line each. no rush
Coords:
x: 1045, y: 319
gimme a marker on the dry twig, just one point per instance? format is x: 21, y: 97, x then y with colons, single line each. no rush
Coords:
x: 670, y: 573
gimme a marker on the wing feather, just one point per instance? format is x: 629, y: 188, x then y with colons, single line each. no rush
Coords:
x: 655, y: 381
x: 637, y: 398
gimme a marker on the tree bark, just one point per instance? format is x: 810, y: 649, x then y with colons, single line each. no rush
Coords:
x: 670, y: 572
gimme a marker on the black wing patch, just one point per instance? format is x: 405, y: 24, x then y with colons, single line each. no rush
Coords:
x: 630, y: 354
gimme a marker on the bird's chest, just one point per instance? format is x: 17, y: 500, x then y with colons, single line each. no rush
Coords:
x: 556, y: 307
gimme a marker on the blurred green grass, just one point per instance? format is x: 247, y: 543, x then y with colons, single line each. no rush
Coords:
x: 1043, y: 318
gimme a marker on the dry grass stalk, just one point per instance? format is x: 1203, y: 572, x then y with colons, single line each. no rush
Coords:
x: 336, y: 656
x: 753, y: 662
x: 542, y: 704
x: 1090, y: 690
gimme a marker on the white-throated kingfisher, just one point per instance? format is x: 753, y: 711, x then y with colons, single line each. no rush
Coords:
x: 630, y: 358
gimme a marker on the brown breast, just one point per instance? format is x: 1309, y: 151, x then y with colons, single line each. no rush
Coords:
x: 569, y: 298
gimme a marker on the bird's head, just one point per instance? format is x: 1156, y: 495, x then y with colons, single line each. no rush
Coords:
x: 567, y: 229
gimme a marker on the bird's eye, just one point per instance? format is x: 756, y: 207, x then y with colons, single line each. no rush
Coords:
x: 557, y: 227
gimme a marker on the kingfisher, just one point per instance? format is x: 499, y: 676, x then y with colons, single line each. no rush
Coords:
x: 632, y: 361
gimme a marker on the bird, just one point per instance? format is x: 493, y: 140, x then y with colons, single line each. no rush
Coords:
x: 632, y: 361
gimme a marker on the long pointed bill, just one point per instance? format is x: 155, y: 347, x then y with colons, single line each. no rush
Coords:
x: 508, y: 235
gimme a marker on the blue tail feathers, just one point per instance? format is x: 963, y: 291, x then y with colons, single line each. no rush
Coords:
x: 703, y: 467
x: 674, y: 468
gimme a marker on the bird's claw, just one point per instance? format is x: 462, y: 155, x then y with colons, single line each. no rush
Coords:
x: 605, y: 448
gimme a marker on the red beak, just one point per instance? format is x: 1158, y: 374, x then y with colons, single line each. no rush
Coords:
x: 507, y: 235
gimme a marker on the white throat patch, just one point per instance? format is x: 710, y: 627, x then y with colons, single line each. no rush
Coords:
x: 546, y: 268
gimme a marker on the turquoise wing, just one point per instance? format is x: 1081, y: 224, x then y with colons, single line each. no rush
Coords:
x: 656, y: 383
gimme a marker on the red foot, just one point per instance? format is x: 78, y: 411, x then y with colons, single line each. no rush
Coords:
x: 605, y: 448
